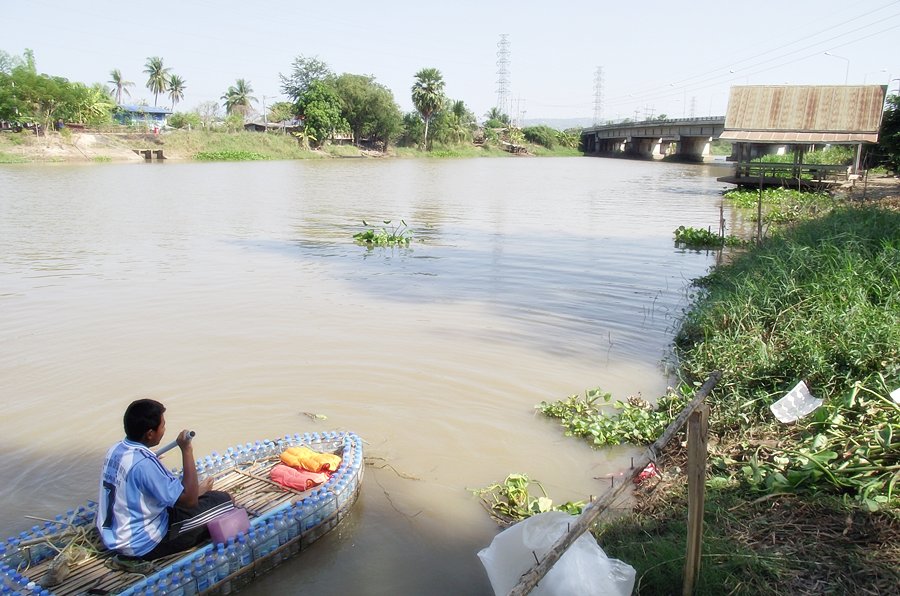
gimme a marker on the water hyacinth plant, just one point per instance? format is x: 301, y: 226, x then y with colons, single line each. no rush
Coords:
x: 511, y: 501
x: 704, y: 238
x: 399, y: 235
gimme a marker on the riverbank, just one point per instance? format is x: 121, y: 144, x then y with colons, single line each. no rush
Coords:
x: 803, y: 508
x: 178, y: 145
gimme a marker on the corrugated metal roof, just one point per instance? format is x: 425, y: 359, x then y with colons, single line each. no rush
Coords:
x: 804, y: 113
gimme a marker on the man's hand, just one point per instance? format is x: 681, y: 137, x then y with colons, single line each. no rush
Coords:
x: 205, y: 486
x: 184, y: 439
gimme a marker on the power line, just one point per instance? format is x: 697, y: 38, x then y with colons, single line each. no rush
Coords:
x: 715, y: 77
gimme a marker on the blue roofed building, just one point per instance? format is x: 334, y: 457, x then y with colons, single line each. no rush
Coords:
x: 135, y: 114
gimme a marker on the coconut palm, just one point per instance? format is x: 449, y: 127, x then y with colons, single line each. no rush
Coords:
x: 176, y: 87
x: 238, y: 98
x: 428, y: 95
x: 157, y: 76
x: 120, y: 83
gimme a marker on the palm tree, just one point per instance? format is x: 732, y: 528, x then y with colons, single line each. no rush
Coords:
x: 497, y: 114
x: 238, y: 98
x: 176, y: 88
x: 121, y: 84
x: 157, y: 76
x: 428, y: 95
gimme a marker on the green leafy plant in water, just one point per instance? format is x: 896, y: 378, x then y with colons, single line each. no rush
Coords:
x: 703, y: 238
x: 511, y: 501
x: 603, y: 422
x: 399, y: 235
x: 229, y: 156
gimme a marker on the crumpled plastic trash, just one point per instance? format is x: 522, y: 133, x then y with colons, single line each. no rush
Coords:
x: 796, y: 404
x: 584, y: 569
x: 649, y: 472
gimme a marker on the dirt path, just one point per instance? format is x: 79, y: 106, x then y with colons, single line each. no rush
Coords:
x: 80, y: 147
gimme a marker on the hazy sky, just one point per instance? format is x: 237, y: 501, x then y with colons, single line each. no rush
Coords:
x: 657, y: 57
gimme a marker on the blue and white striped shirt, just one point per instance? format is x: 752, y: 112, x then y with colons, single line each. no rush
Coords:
x: 135, y: 490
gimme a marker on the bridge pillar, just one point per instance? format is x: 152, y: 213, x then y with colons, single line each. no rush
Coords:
x: 694, y: 147
x: 641, y: 147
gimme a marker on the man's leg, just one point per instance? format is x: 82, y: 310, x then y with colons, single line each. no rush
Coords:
x: 187, y: 527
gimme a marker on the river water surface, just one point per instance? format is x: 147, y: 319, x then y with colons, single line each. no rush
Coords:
x: 235, y: 294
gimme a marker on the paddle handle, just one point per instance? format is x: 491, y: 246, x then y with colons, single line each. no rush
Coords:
x: 169, y: 446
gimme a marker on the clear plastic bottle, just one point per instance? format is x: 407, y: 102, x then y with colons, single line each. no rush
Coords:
x: 162, y: 584
x: 188, y: 583
x: 209, y: 567
x: 200, y: 576
x: 176, y: 584
x: 244, y: 553
x: 222, y: 569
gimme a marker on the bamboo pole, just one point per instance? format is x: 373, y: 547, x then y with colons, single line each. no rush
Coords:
x: 698, y: 436
x: 531, y: 578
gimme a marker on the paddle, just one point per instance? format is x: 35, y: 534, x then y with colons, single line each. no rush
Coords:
x: 169, y: 446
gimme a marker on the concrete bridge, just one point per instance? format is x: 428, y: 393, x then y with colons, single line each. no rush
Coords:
x: 683, y: 138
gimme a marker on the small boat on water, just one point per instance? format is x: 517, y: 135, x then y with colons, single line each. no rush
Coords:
x: 64, y: 556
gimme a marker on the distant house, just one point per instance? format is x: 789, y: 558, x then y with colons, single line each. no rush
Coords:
x: 133, y: 114
x: 284, y: 127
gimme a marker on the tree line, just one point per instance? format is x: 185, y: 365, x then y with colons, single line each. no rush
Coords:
x: 321, y: 104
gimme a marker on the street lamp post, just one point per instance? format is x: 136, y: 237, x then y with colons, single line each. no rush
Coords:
x: 866, y: 76
x: 847, y: 71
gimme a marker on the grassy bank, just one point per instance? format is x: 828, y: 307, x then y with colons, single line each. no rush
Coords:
x: 216, y: 146
x: 235, y: 145
x: 810, y: 507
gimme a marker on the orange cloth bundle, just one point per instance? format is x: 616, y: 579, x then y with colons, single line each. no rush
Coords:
x: 307, y: 459
x: 296, y: 479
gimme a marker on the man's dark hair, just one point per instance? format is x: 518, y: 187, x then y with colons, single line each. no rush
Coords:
x: 142, y: 415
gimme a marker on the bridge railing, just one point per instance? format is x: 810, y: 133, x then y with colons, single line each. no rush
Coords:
x: 696, y: 120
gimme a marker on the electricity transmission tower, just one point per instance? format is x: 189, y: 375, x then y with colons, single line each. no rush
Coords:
x: 503, y: 74
x: 598, y: 95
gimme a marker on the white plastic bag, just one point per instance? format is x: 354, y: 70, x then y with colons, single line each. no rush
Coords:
x: 583, y: 569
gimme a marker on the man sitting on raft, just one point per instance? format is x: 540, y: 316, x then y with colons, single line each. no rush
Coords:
x: 144, y: 510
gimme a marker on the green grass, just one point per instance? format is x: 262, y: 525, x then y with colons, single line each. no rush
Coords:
x: 342, y: 150
x: 756, y: 548
x: 6, y: 158
x: 720, y: 147
x: 820, y: 303
x: 266, y: 145
x: 228, y: 156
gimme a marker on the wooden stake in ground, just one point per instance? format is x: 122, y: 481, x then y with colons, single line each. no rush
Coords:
x: 698, y: 436
x: 531, y: 578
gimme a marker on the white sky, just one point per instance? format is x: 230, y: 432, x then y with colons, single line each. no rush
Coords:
x: 657, y: 57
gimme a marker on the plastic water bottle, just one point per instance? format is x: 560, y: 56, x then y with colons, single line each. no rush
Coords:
x: 253, y: 543
x: 176, y: 581
x: 200, y: 576
x: 244, y: 553
x: 209, y: 567
x: 188, y: 583
x: 162, y: 584
x: 221, y: 565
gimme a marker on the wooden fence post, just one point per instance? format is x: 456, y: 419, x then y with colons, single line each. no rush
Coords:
x: 698, y: 436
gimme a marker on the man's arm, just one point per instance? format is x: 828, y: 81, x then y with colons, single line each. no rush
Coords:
x: 192, y: 489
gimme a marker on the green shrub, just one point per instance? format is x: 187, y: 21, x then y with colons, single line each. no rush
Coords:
x: 541, y: 135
